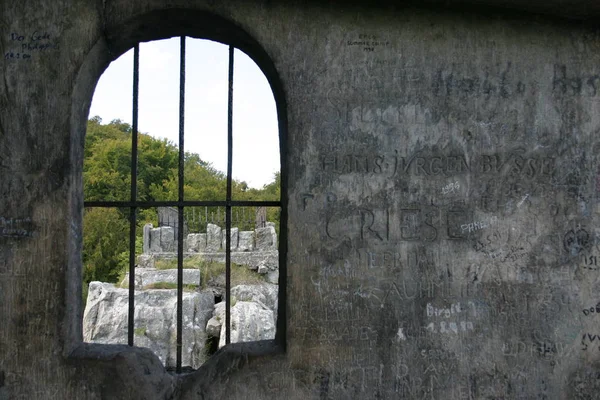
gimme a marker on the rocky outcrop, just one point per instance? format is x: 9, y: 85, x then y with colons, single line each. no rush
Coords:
x: 105, y: 321
x: 253, y: 314
x: 249, y: 322
x: 254, y: 306
x: 264, y: 294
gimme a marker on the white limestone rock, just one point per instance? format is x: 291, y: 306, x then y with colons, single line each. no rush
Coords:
x: 105, y: 321
x: 196, y: 242
x: 146, y: 238
x: 264, y: 294
x: 213, y: 327
x: 162, y: 240
x: 262, y: 269
x: 266, y: 238
x: 149, y: 276
x: 245, y: 241
x: 213, y: 238
x: 249, y: 322
x: 145, y: 261
x: 273, y: 276
x: 251, y: 259
x: 234, y: 234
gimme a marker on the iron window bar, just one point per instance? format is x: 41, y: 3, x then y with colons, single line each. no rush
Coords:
x: 134, y: 204
x: 133, y: 197
x: 180, y: 207
x: 228, y: 205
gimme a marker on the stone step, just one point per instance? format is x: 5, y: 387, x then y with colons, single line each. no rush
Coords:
x: 149, y: 276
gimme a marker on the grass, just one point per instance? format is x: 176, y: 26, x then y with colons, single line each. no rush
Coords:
x: 211, y: 269
x: 169, y: 285
x: 188, y: 262
x: 140, y: 331
x: 240, y: 274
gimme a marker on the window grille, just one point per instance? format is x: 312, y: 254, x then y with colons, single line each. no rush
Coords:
x: 134, y: 204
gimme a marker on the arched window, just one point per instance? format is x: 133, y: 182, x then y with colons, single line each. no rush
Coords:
x: 186, y: 221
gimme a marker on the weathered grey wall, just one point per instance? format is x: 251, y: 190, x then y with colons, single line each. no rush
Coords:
x: 443, y: 186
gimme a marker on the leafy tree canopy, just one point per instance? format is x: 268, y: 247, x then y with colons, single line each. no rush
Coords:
x: 107, y: 177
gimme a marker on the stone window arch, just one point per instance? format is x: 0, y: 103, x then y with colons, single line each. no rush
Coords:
x: 154, y: 26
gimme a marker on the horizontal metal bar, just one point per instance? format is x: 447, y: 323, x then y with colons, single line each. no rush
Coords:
x: 185, y: 203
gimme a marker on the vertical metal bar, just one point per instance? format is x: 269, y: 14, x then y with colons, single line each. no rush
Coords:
x: 180, y: 207
x: 133, y: 193
x: 228, y: 203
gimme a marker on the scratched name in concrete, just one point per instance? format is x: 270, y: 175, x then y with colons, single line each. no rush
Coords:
x: 16, y: 227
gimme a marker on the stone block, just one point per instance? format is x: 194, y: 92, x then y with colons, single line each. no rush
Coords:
x: 146, y: 238
x: 234, y: 234
x: 162, y: 240
x: 246, y: 241
x: 266, y: 238
x: 214, y: 237
x: 262, y: 269
x: 196, y: 242
x: 145, y: 261
x: 148, y: 276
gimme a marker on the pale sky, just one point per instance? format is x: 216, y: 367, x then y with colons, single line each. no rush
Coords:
x: 255, y: 133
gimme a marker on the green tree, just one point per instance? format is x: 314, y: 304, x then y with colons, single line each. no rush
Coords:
x: 105, y: 248
x: 107, y: 177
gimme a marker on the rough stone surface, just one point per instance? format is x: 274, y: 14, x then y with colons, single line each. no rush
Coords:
x: 148, y: 276
x: 440, y: 177
x: 196, y: 242
x: 105, y: 321
x: 264, y: 294
x: 145, y: 261
x: 266, y: 238
x: 163, y: 240
x: 245, y: 241
x: 253, y: 259
x: 213, y: 327
x: 262, y: 269
x: 155, y: 241
x: 250, y: 321
x: 146, y: 237
x: 273, y: 276
x: 214, y: 235
x: 234, y: 238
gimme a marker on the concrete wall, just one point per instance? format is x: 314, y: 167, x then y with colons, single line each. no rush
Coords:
x: 442, y: 188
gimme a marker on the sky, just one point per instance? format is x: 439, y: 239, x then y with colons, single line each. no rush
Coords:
x: 255, y: 131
